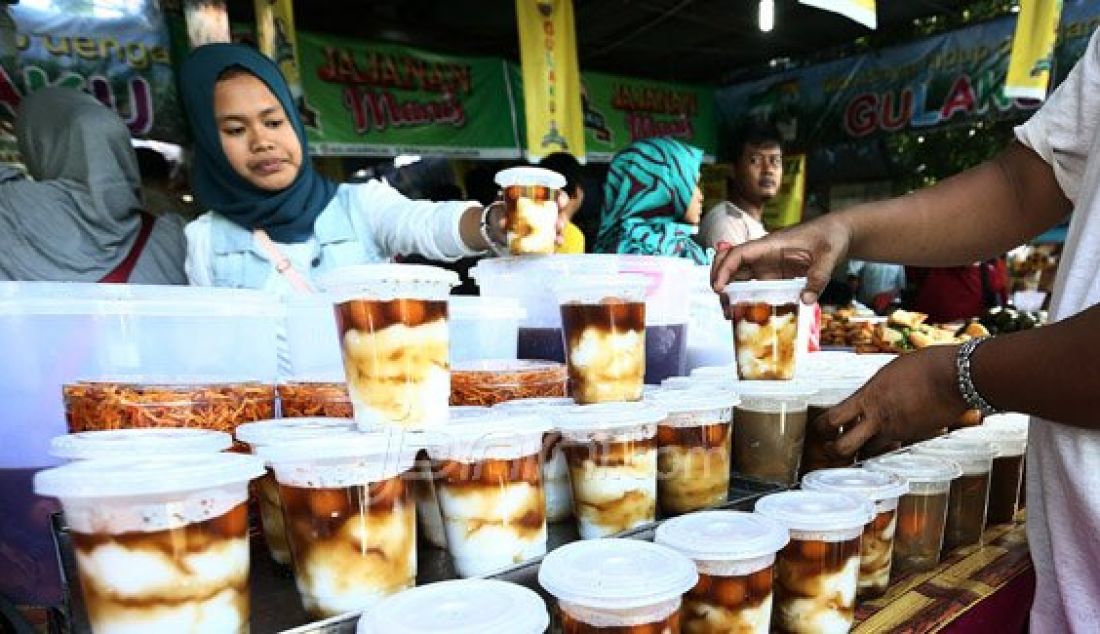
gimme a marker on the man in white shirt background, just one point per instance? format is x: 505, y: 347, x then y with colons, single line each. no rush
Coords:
x: 754, y: 178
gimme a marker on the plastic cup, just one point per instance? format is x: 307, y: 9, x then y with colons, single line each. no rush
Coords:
x: 765, y: 327
x: 617, y: 585
x: 603, y: 326
x: 350, y: 520
x: 817, y: 573
x: 815, y: 454
x: 1018, y: 422
x: 922, y: 513
x: 877, y: 547
x: 273, y: 432
x: 611, y: 450
x: 309, y: 399
x: 490, y: 381
x: 769, y: 429
x: 555, y: 470
x: 969, y: 493
x: 531, y: 208
x: 127, y: 443
x: 488, y: 478
x: 462, y: 606
x: 734, y: 553
x: 1006, y: 476
x: 392, y: 322
x: 693, y: 449
x: 161, y: 542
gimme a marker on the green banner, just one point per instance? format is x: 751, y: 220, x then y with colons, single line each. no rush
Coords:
x: 371, y: 99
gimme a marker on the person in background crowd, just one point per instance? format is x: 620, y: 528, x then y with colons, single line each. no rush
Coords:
x: 160, y: 184
x: 82, y: 218
x: 754, y: 179
x: 652, y: 201
x: 274, y: 221
x: 566, y: 165
x: 954, y: 293
x: 876, y: 285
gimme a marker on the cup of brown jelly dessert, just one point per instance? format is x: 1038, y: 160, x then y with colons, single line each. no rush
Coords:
x: 273, y: 432
x: 603, y: 326
x: 817, y: 572
x: 487, y: 382
x: 611, y: 450
x: 765, y: 327
x: 392, y: 323
x: 531, y: 208
x: 617, y: 585
x: 313, y: 399
x: 350, y: 517
x: 1008, y: 468
x: 883, y: 490
x: 555, y: 470
x: 969, y: 495
x: 769, y: 429
x: 1020, y: 424
x: 459, y: 606
x: 815, y: 449
x: 693, y: 448
x: 488, y: 478
x: 161, y: 542
x: 127, y: 443
x: 734, y: 553
x: 922, y: 512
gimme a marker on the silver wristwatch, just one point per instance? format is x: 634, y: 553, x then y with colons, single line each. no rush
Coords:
x: 967, y: 389
x: 496, y: 245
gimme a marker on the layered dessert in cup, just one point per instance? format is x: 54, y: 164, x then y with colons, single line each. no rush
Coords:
x: 350, y: 518
x: 922, y: 512
x: 311, y: 399
x: 815, y: 450
x: 555, y: 469
x: 488, y: 382
x: 765, y: 327
x: 273, y: 432
x: 603, y: 327
x: 460, y: 606
x: 693, y: 449
x: 129, y: 443
x: 392, y: 323
x: 734, y: 553
x: 769, y: 429
x: 617, y: 585
x: 1018, y: 423
x: 877, y: 548
x: 161, y: 542
x: 530, y: 208
x: 611, y: 450
x: 969, y: 494
x: 817, y: 572
x: 1010, y: 446
x: 488, y: 478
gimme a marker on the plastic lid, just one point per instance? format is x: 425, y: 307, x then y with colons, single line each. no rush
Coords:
x: 531, y: 176
x: 496, y: 366
x: 973, y: 456
x: 133, y: 476
x: 873, y: 485
x: 1011, y: 419
x: 536, y: 404
x: 816, y: 510
x: 723, y: 535
x: 695, y: 399
x: 1006, y: 441
x: 767, y: 288
x: 592, y: 289
x: 780, y: 389
x: 389, y: 281
x: 461, y: 606
x: 616, y: 573
x: 462, y: 412
x: 608, y: 416
x: 268, y: 432
x: 471, y: 307
x: 350, y: 445
x: 493, y: 424
x: 715, y: 371
x: 138, y: 442
x: 914, y: 468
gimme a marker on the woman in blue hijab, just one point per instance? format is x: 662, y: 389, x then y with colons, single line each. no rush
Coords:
x: 652, y: 201
x: 274, y: 222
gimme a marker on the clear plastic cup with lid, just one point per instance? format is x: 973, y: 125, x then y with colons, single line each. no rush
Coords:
x: 817, y: 573
x: 765, y: 327
x: 394, y: 337
x: 617, y: 584
x: 555, y: 470
x: 161, y: 541
x: 488, y: 478
x: 1017, y: 422
x: 350, y: 517
x: 922, y: 512
x: 734, y: 553
x: 769, y: 429
x: 877, y: 548
x: 127, y: 443
x: 611, y: 451
x: 815, y: 450
x: 530, y: 208
x: 693, y: 449
x: 1007, y: 474
x: 969, y: 495
x: 460, y: 606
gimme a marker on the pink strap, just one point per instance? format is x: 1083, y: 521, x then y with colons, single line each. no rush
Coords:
x: 281, y: 262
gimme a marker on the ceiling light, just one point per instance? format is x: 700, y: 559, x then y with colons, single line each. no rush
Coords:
x: 767, y: 15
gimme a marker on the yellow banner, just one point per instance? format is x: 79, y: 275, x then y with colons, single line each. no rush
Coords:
x: 1033, y: 49
x: 551, y: 78
x: 786, y: 208
x: 862, y: 11
x: 278, y: 40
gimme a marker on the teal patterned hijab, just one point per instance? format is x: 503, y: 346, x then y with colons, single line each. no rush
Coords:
x: 648, y: 191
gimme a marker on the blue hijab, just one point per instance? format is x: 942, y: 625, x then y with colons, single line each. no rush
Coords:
x: 287, y: 215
